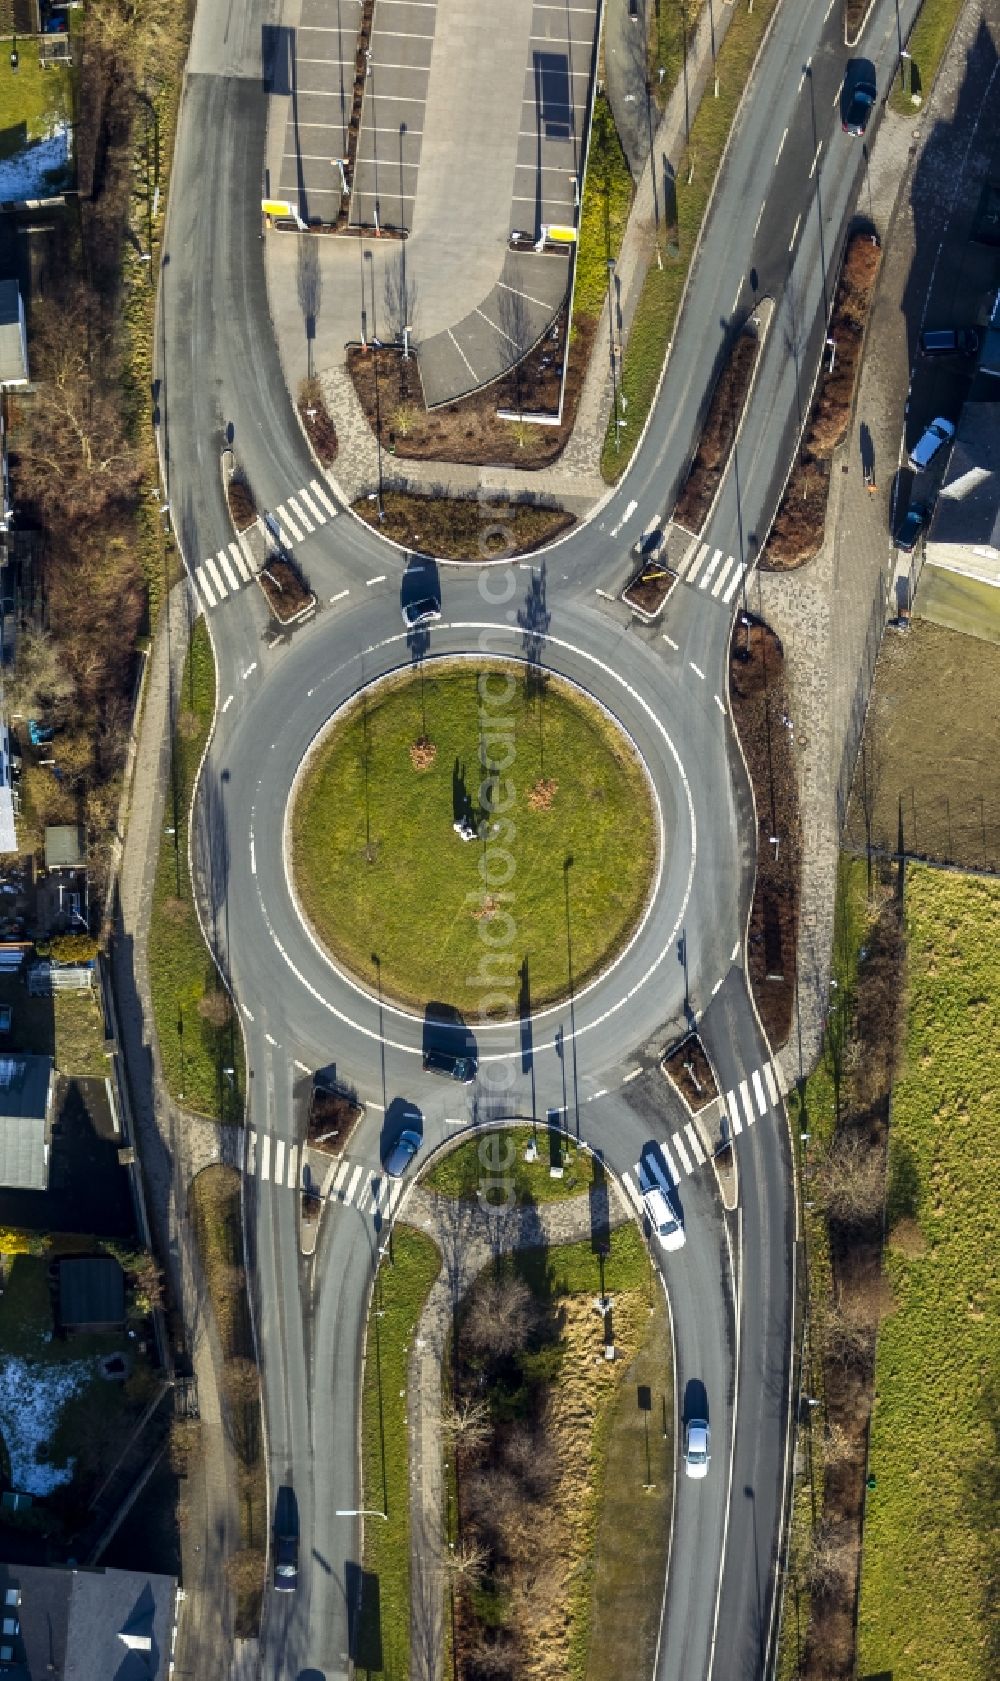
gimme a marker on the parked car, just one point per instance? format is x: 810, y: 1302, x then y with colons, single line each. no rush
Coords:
x: 286, y: 1563
x: 402, y: 1153
x: 455, y: 1065
x: 930, y: 442
x: 909, y: 528
x: 949, y: 341
x: 39, y: 734
x: 658, y: 1203
x: 696, y: 1447
x: 860, y: 106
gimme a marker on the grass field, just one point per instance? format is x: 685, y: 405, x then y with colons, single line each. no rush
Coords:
x: 383, y: 1644
x: 382, y: 875
x: 32, y: 101
x: 607, y: 200
x: 194, y: 1050
x: 494, y: 1164
x: 926, y: 46
x: 932, y: 686
x: 931, y: 1557
x: 656, y: 314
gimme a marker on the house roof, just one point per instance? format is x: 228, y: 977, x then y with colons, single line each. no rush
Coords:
x: 13, y: 362
x: 64, y: 848
x: 25, y: 1083
x: 80, y: 1624
x: 91, y: 1291
x: 968, y: 506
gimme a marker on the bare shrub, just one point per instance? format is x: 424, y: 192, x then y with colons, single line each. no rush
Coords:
x: 215, y: 1008
x: 849, y: 1177
x: 467, y: 1424
x: 498, y: 1315
x: 185, y: 1443
x: 831, y: 1558
x: 245, y: 1573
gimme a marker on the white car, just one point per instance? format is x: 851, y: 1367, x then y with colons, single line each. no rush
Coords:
x: 938, y: 433
x: 696, y: 1444
x: 658, y: 1203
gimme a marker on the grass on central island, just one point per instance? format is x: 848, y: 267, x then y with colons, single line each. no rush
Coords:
x: 535, y: 906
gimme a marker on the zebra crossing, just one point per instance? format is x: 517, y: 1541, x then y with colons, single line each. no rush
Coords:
x: 274, y: 1162
x: 684, y: 1152
x: 229, y: 569
x: 751, y: 1099
x: 702, y: 566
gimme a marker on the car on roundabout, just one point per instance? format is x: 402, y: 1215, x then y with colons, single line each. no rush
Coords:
x: 402, y: 1153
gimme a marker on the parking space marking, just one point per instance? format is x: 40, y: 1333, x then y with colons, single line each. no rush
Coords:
x: 496, y: 329
x: 503, y: 287
x: 461, y: 352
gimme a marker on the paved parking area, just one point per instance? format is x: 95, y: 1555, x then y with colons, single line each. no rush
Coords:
x: 320, y: 86
x: 392, y: 115
x: 553, y: 124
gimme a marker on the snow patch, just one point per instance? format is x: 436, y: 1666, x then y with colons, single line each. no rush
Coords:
x: 31, y: 1398
x: 24, y: 175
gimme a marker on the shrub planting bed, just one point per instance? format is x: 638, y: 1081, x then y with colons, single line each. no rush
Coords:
x: 242, y: 506
x: 650, y: 587
x: 333, y: 1116
x: 757, y: 696
x: 718, y: 433
x: 463, y: 528
x: 315, y: 417
x: 285, y: 589
x: 688, y: 1068
x: 797, y: 533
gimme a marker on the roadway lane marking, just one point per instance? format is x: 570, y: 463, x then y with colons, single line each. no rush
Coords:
x: 239, y: 561
x: 449, y: 1120
x: 826, y: 14
x: 633, y: 1076
x: 265, y: 1156
x: 285, y: 517
x: 758, y: 1091
x: 697, y: 671
x: 804, y: 74
x: 213, y: 572
x: 733, y: 585
x: 251, y: 668
x: 605, y: 596
x: 678, y: 1144
x: 720, y: 703
x: 695, y: 1143
x: 710, y: 568
x: 253, y: 872
x: 698, y: 559
x: 747, y: 1105
x: 671, y: 1164
x: 795, y: 230
x: 781, y: 148
x: 736, y: 952
x: 314, y: 508
x: 627, y: 515
x: 227, y: 703
x: 724, y: 573
x: 772, y: 1084
x: 271, y: 1040
x: 815, y: 161
x: 395, y: 1192
x: 246, y: 1012
x: 379, y: 580
x: 321, y: 496
x: 339, y: 597
x: 227, y: 567
x: 300, y: 1065
x: 739, y: 294
x: 279, y: 1161
x: 339, y: 1175
x: 717, y: 986
x: 670, y: 641
x: 251, y: 1152
x: 356, y: 1178
x: 732, y: 1110
x: 300, y: 515
x: 760, y: 216
x: 293, y: 1167
x: 595, y: 1094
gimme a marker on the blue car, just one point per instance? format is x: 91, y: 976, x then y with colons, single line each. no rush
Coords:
x: 39, y: 734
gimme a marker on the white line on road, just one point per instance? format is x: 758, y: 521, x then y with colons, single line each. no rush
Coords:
x: 455, y: 1121
x: 772, y: 1084
x: 795, y: 230
x: 670, y: 641
x: 339, y: 597
x: 293, y: 1166
x: 633, y: 1076
x: 285, y: 518
x: 227, y: 567
x: 379, y: 580
x: 695, y: 1142
x: 720, y: 580
x: 246, y: 1012
x: 760, y: 214
x: 253, y: 872
x: 739, y: 294
x: 758, y: 1091
x: 321, y: 496
x: 747, y: 1105
x: 356, y: 1177
x: 227, y: 703
x: 678, y: 1144
x: 265, y: 1156
x: 339, y: 1176
x: 671, y: 1164
x: 394, y: 1195
x: 815, y: 161
x: 279, y: 1161
x: 604, y: 593
x: 627, y: 515
x: 716, y: 986
x: 300, y: 1065
x: 596, y: 1094
x: 270, y: 1039
x: 696, y: 670
x: 736, y: 952
x: 251, y: 1152
x: 781, y: 148
x: 732, y: 1110
x: 240, y: 562
x: 314, y: 509
x: 720, y: 703
x: 251, y: 668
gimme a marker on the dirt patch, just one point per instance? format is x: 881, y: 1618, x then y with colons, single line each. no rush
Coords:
x: 422, y: 753
x: 760, y: 712
x: 854, y: 16
x: 315, y: 417
x: 486, y: 911
x: 688, y: 1068
x: 650, y: 587
x: 543, y: 794
x: 460, y: 528
x: 718, y: 434
x: 287, y: 593
x: 333, y: 1116
x: 242, y: 505
x: 797, y: 533
x: 471, y: 430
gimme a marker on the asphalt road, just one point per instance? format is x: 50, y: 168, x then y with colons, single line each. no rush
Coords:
x: 778, y: 221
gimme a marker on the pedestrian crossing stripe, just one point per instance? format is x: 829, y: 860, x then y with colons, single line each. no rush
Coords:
x: 351, y: 1184
x: 225, y: 572
x: 707, y: 568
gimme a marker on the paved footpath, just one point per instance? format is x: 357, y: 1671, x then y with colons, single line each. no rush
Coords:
x: 829, y: 612
x: 469, y: 1235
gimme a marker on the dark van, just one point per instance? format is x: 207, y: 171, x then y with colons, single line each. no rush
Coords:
x: 949, y: 341
x: 451, y: 1065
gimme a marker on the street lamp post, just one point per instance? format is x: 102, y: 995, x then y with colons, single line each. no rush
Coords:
x: 360, y: 1512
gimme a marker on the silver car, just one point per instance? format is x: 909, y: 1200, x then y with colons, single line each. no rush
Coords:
x: 696, y: 1445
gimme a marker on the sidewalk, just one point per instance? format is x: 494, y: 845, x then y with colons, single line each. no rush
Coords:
x: 829, y: 614
x: 173, y: 1147
x: 469, y: 1236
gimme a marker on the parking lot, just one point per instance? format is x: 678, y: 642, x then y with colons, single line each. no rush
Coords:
x: 320, y: 82
x: 392, y: 114
x: 553, y: 123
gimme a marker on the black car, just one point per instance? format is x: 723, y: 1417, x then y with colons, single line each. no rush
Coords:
x: 286, y: 1563
x: 452, y: 1064
x: 949, y: 341
x: 422, y: 612
x: 860, y: 107
x: 909, y: 528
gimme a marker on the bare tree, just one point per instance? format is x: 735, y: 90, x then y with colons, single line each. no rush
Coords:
x: 39, y: 681
x: 465, y: 1562
x: 850, y: 1177
x: 832, y: 1557
x: 500, y: 1314
x: 468, y: 1425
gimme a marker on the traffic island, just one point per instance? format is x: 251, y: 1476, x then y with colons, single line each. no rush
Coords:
x: 316, y: 422
x: 648, y: 591
x: 691, y: 1074
x: 285, y: 590
x: 453, y: 879
x: 719, y: 433
x: 463, y: 528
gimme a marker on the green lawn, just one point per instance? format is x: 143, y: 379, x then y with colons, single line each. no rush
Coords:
x: 574, y: 1267
x: 31, y: 101
x: 68, y: 1026
x: 401, y: 900
x: 931, y: 1555
x: 659, y: 301
x: 383, y: 1644
x: 607, y: 200
x: 194, y: 1051
x: 494, y: 1163
x: 926, y: 46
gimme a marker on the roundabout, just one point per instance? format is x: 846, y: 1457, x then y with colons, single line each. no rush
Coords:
x: 453, y: 825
